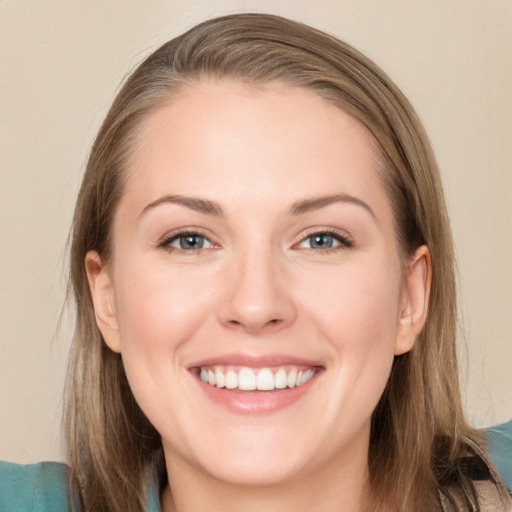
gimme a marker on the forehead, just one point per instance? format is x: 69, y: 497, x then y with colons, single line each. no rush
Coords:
x: 220, y: 138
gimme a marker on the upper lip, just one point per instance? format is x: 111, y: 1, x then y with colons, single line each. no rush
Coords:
x: 260, y: 361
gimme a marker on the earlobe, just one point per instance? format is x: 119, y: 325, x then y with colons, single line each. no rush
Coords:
x: 103, y: 298
x: 415, y: 301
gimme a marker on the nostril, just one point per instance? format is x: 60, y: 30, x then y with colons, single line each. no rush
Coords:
x: 238, y: 323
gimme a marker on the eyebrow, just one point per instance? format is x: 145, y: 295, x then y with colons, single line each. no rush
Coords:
x: 303, y: 206
x: 307, y: 205
x: 194, y: 203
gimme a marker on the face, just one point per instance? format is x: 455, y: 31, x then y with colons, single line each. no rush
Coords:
x: 255, y: 290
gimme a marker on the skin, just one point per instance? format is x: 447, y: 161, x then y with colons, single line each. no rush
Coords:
x: 258, y: 287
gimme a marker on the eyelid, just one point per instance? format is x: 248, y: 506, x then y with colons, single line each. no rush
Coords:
x: 164, y: 241
x: 345, y: 240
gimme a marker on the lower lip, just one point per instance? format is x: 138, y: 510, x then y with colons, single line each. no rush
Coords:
x: 256, y: 402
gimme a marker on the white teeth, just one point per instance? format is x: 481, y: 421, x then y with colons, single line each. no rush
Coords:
x: 247, y: 379
x: 231, y: 380
x: 220, y: 380
x: 280, y: 379
x: 265, y: 380
x: 292, y: 379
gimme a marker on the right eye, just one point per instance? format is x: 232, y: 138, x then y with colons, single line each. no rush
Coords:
x: 186, y: 242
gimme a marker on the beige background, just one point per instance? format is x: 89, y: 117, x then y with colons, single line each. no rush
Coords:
x: 60, y: 63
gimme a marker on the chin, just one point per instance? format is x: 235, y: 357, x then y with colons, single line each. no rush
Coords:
x: 252, y: 456
x: 256, y: 473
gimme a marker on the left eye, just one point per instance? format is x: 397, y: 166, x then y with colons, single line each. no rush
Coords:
x: 324, y: 241
x: 187, y: 242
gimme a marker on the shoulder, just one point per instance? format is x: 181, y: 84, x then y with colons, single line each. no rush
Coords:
x: 38, y: 487
x: 499, y: 448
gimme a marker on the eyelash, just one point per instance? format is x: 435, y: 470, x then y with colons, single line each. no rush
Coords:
x: 342, y: 239
x: 166, y: 242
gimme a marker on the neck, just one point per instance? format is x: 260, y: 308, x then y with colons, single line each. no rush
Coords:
x: 339, y: 487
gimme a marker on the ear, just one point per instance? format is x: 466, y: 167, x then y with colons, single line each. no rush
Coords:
x: 103, y: 298
x: 414, y: 303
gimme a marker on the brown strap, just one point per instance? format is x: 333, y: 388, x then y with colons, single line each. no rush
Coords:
x: 490, y: 498
x: 493, y: 495
x: 501, y: 502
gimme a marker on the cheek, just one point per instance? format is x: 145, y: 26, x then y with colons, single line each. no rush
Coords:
x: 357, y: 314
x: 357, y: 307
x: 159, y: 311
x: 160, y: 307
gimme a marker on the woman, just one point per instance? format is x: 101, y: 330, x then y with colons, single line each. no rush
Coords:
x: 263, y: 271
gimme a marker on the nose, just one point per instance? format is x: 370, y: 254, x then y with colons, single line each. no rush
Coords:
x: 258, y: 299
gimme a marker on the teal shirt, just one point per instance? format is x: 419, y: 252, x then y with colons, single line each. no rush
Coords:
x: 499, y: 448
x: 35, y: 487
x: 42, y: 487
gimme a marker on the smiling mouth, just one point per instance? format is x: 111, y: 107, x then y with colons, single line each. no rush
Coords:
x: 252, y: 379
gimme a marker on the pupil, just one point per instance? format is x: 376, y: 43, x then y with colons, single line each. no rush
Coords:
x: 191, y: 242
x: 322, y: 241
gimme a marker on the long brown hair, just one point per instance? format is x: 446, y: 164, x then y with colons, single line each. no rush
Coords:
x: 418, y: 429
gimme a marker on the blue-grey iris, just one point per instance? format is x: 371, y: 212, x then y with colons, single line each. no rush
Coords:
x: 191, y: 242
x: 321, y: 241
